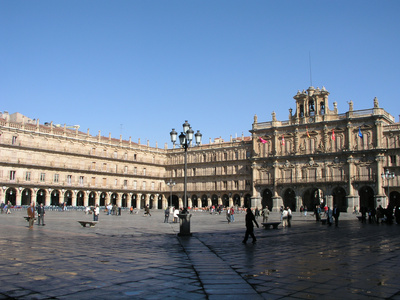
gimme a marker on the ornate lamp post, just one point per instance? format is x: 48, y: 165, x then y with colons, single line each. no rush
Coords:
x: 388, y: 176
x: 185, y: 138
x: 171, y: 184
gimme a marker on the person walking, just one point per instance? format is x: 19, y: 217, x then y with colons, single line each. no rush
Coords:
x: 96, y: 213
x: 284, y: 217
x: 250, y: 219
x: 228, y: 212
x: 232, y: 214
x: 265, y: 214
x: 41, y: 213
x: 329, y: 216
x: 336, y: 214
x: 166, y: 215
x: 147, y: 211
x: 31, y: 215
x: 289, y: 217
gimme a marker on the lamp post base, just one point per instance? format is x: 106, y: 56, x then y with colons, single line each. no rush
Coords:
x: 184, y: 224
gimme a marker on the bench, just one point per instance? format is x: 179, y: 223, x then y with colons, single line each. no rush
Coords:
x: 90, y: 223
x: 269, y: 224
x: 27, y: 219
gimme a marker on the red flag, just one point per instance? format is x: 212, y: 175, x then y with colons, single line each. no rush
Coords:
x: 262, y: 140
x: 333, y: 135
x: 283, y: 140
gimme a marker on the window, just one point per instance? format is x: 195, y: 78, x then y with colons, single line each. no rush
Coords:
x: 42, y: 177
x: 152, y: 186
x: 236, y: 155
x: 28, y: 176
x: 225, y: 156
x: 115, y: 154
x: 12, y: 175
x: 144, y: 172
x: 126, y: 170
x: 144, y: 185
x: 93, y: 182
x: 94, y: 166
x: 194, y: 171
x: 69, y: 179
x: 104, y: 182
x: 81, y: 180
x: 134, y: 171
x: 125, y: 183
x: 225, y: 185
x: 134, y: 157
x: 236, y: 184
x: 56, y: 177
x: 14, y: 140
x: 393, y: 160
x: 135, y: 185
x: 126, y: 156
x: 116, y: 182
x: 104, y: 167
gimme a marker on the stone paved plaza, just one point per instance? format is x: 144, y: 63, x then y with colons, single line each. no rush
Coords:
x: 137, y: 257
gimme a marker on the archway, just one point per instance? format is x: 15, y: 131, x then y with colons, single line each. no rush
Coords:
x: 55, y: 198
x: 247, y: 200
x: 366, y: 197
x: 11, y: 196
x: 312, y: 198
x: 143, y: 201
x: 267, y: 199
x: 175, y: 201
x: 394, y: 199
x: 103, y: 196
x: 339, y: 199
x: 124, y: 202
x: 289, y: 199
x: 41, y: 197
x: 225, y: 200
x: 133, y: 200
x: 214, y: 200
x: 26, y: 197
x: 194, y: 200
x: 92, y: 199
x: 160, y: 202
x: 114, y: 198
x: 79, y: 198
x: 68, y: 198
x: 236, y: 200
x: 204, y: 201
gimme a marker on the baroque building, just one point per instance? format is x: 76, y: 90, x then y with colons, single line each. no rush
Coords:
x: 319, y: 156
x: 316, y: 156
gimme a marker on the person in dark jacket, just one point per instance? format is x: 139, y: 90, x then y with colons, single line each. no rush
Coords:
x: 41, y: 213
x: 336, y: 214
x: 250, y: 227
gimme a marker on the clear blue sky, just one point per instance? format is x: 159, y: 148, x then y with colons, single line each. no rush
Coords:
x: 141, y: 68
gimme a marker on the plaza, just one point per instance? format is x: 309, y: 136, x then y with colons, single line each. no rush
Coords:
x: 136, y: 257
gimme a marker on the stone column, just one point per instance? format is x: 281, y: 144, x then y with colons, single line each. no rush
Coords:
x: 138, y: 200
x: 349, y: 136
x: 119, y: 200
x: 329, y: 201
x: 299, y: 202
x: 380, y: 198
x: 86, y: 198
x: 230, y: 201
x: 18, y: 197
x: 352, y: 198
x: 190, y: 202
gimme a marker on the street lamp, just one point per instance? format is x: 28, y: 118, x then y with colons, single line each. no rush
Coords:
x: 388, y: 176
x: 185, y: 138
x: 171, y: 184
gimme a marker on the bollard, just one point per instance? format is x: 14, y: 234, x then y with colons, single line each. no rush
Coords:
x: 184, y: 223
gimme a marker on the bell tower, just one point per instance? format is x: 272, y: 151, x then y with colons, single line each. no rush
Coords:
x: 311, y: 105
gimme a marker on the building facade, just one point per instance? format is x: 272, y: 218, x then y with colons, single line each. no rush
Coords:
x: 316, y: 156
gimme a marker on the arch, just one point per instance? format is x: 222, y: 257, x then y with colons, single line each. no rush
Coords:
x: 225, y: 200
x: 92, y: 199
x: 289, y: 199
x: 313, y: 197
x: 394, y: 199
x: 41, y: 197
x: 133, y: 200
x: 103, y: 197
x: 247, y: 200
x: 194, y: 200
x: 160, y: 202
x: 79, y: 198
x: 267, y: 199
x: 26, y: 197
x: 55, y: 198
x: 339, y: 198
x: 236, y: 200
x: 68, y: 198
x: 367, y: 200
x: 175, y: 201
x: 143, y: 201
x: 114, y: 198
x: 151, y: 201
x: 124, y: 202
x: 214, y: 200
x: 11, y: 196
x: 204, y: 201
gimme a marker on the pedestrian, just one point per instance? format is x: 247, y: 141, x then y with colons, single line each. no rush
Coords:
x: 147, y: 211
x: 305, y: 211
x: 228, y: 217
x: 265, y: 214
x: 232, y: 214
x: 289, y: 217
x: 2, y: 207
x: 329, y: 216
x: 31, y: 215
x: 8, y: 210
x: 131, y: 210
x: 41, y: 213
x: 256, y: 213
x: 284, y: 217
x: 96, y: 213
x: 176, y: 213
x: 166, y: 215
x: 336, y: 214
x: 249, y: 226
